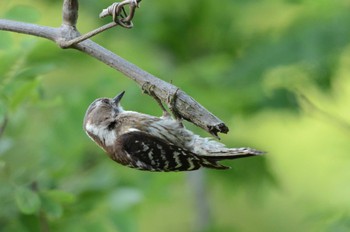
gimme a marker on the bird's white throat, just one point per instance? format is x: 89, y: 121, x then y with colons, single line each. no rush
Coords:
x: 108, y: 137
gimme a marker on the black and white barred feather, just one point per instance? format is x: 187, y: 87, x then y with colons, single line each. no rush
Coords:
x: 151, y: 143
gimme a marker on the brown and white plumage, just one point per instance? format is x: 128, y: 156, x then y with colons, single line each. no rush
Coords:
x: 151, y: 143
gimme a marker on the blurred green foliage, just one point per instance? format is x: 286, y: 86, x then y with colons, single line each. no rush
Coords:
x: 276, y: 71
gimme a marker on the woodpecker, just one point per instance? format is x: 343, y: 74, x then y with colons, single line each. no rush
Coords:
x: 159, y: 144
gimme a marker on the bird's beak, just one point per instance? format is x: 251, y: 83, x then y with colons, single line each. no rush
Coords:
x: 117, y: 98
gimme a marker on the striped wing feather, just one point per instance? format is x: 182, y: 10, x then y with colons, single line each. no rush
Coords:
x: 147, y: 152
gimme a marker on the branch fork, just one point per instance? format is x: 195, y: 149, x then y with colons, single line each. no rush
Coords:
x: 116, y: 10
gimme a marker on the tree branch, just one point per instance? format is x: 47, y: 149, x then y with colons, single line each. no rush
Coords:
x: 29, y: 29
x: 182, y: 104
x: 88, y: 35
x: 70, y: 12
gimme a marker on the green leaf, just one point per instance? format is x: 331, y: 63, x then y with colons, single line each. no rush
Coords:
x: 51, y: 208
x: 27, y: 200
x: 60, y: 196
x: 5, y: 145
x: 5, y: 41
x: 32, y: 72
x: 23, y: 93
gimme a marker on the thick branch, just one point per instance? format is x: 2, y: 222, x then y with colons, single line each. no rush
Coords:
x: 182, y: 104
x: 30, y: 29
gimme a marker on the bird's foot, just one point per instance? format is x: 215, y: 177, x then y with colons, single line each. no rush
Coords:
x: 149, y: 89
x: 172, y: 104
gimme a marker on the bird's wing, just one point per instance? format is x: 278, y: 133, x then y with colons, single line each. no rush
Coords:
x: 147, y: 152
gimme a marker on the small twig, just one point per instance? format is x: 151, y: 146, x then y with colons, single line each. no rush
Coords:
x: 67, y: 44
x: 133, y: 5
x: 112, y: 8
x: 3, y: 125
x: 43, y: 221
x: 116, y: 10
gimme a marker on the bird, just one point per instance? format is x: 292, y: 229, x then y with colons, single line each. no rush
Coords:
x: 150, y: 143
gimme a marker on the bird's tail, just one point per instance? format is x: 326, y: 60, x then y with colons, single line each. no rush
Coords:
x: 211, y: 160
x: 233, y: 153
x: 206, y: 147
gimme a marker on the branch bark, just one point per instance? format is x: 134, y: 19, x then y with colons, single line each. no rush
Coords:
x: 70, y: 12
x: 29, y: 29
x: 181, y: 103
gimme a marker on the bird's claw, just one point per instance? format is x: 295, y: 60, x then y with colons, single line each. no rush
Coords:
x: 172, y: 104
x: 149, y: 89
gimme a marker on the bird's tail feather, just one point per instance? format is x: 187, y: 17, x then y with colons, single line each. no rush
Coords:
x: 211, y: 161
x: 233, y: 153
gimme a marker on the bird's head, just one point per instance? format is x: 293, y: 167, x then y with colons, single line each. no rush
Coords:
x: 102, y: 112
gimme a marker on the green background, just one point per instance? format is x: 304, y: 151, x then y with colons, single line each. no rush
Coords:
x: 277, y: 72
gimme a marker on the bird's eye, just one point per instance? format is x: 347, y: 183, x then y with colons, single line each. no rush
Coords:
x: 106, y: 101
